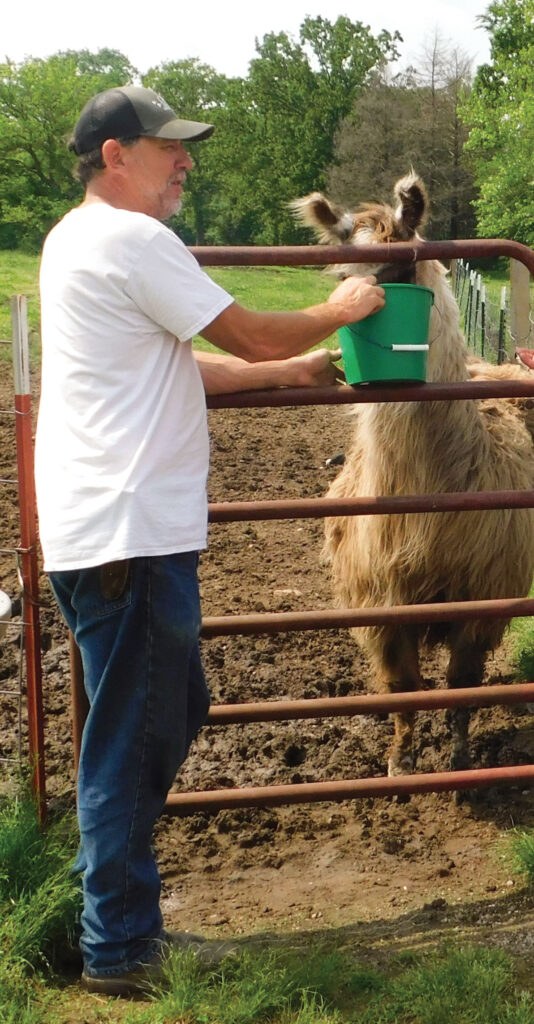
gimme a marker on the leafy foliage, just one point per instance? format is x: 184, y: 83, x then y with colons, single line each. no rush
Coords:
x: 39, y: 103
x: 410, y: 120
x: 300, y: 92
x: 314, y: 112
x: 275, y: 129
x: 500, y: 112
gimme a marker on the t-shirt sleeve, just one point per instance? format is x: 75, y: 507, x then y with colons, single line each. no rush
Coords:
x: 170, y: 287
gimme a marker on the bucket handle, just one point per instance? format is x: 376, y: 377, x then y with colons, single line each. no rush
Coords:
x: 405, y: 348
x: 410, y: 348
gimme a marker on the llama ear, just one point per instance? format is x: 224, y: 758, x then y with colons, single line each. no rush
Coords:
x: 330, y: 222
x: 412, y: 208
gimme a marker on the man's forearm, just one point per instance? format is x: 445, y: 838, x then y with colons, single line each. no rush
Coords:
x: 222, y: 374
x: 257, y: 337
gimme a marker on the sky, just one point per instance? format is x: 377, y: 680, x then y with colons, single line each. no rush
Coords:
x: 222, y: 33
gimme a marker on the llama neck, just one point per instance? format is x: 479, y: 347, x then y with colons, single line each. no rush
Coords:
x: 447, y: 354
x: 390, y: 436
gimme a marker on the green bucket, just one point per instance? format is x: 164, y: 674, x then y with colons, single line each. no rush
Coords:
x: 391, y: 345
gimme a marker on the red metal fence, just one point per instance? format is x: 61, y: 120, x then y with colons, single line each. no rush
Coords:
x: 27, y: 552
x: 186, y: 803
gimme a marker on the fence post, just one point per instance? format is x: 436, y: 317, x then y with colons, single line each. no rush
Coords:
x: 28, y: 551
x: 519, y: 304
x: 477, y: 307
x: 453, y: 266
x: 482, y: 320
x: 501, y: 352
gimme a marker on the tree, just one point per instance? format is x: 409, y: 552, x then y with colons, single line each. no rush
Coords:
x: 40, y: 101
x: 197, y: 92
x: 500, y: 112
x: 274, y: 130
x: 299, y: 92
x: 410, y: 120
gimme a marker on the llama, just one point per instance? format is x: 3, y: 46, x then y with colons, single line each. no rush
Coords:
x: 426, y: 448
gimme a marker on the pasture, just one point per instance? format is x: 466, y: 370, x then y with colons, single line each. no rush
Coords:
x: 380, y: 883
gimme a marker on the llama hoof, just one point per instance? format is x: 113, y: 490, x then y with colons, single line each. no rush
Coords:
x: 467, y: 796
x: 460, y: 761
x: 400, y: 766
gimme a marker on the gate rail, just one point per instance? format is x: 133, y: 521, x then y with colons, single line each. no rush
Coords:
x: 188, y: 803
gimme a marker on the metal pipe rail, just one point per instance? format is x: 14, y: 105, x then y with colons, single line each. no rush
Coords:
x: 370, y: 704
x: 365, y: 393
x: 398, y: 252
x: 289, y: 622
x: 187, y: 803
x: 318, y: 508
x: 214, y: 800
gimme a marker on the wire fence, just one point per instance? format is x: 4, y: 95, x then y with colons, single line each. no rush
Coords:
x: 486, y: 322
x: 22, y: 726
x: 12, y: 677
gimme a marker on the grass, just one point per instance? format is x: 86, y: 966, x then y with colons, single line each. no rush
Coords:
x: 320, y: 986
x: 260, y: 288
x: 521, y: 646
x: 265, y: 288
x: 39, y: 903
x: 520, y: 844
x: 321, y: 983
x: 19, y: 275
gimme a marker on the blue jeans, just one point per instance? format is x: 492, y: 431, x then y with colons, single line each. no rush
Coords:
x: 137, y: 624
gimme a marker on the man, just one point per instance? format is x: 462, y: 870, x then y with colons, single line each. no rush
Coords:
x: 121, y: 466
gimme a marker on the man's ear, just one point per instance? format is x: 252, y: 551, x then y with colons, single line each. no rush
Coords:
x: 112, y: 154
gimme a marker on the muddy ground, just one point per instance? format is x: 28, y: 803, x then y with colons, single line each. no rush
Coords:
x: 385, y: 874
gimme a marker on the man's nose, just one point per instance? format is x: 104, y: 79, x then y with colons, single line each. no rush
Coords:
x: 183, y: 159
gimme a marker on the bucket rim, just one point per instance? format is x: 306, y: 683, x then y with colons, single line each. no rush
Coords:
x: 402, y: 284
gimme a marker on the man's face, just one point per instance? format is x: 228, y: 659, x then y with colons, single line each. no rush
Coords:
x: 156, y: 173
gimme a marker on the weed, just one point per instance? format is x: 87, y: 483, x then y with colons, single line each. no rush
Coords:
x: 521, y: 846
x: 521, y: 646
x: 458, y: 986
x: 39, y: 903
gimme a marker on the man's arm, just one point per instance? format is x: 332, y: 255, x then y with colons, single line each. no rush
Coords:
x: 258, y: 337
x: 222, y: 374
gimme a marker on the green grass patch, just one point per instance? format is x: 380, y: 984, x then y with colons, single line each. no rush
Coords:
x: 318, y: 984
x: 520, y: 851
x: 258, y: 288
x: 520, y: 644
x: 321, y: 986
x: 273, y: 288
x: 19, y: 275
x: 39, y: 904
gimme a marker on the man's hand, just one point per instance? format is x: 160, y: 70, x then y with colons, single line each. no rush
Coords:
x: 314, y: 369
x: 357, y: 297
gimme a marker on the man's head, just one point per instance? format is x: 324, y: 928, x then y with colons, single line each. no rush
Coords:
x: 133, y: 118
x: 131, y: 112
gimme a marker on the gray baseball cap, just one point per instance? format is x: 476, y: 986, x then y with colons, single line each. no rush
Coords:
x: 129, y: 111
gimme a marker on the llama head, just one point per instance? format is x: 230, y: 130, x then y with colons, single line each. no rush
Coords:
x: 371, y: 223
x: 374, y: 223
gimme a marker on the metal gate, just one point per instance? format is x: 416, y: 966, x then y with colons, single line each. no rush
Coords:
x: 187, y: 803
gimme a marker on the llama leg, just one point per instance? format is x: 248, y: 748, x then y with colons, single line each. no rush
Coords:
x: 397, y: 670
x: 466, y: 668
x: 400, y: 760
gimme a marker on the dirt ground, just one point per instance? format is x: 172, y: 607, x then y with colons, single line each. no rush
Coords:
x: 383, y: 874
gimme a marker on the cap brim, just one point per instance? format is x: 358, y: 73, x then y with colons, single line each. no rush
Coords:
x: 185, y: 131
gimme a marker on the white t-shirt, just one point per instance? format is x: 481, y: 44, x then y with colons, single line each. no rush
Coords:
x: 122, y: 452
